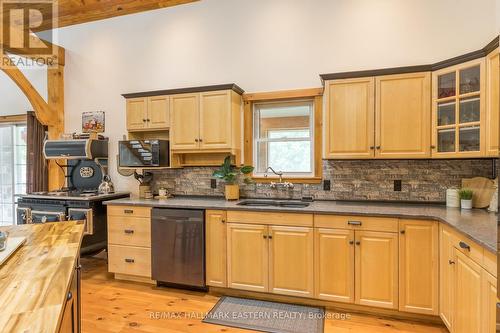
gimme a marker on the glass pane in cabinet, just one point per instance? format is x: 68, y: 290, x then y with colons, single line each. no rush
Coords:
x: 446, y: 113
x: 469, y: 110
x: 469, y: 80
x: 446, y: 85
x: 446, y: 140
x: 469, y: 138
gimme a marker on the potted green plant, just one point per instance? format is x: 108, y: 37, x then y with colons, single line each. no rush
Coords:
x: 465, y: 198
x: 230, y: 174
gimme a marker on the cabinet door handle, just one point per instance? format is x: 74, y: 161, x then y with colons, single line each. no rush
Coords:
x: 464, y: 245
x: 200, y: 140
x: 148, y: 120
x: 143, y: 120
x: 433, y: 147
x: 402, y: 232
x: 354, y: 222
x: 223, y: 221
x: 378, y: 147
x: 128, y: 231
x: 196, y: 140
x: 372, y: 147
x: 69, y: 296
x: 351, y: 242
x: 358, y: 243
x: 128, y: 211
x: 270, y: 237
x: 129, y: 260
x: 451, y: 262
x: 265, y: 236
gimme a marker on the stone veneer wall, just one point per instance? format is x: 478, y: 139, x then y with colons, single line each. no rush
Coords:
x: 422, y: 180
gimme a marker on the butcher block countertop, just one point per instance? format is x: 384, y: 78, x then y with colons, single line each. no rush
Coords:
x: 35, y: 280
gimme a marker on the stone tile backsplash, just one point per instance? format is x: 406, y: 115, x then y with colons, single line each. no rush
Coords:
x: 422, y: 180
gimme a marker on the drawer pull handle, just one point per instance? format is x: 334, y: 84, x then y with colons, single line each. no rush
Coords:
x: 451, y: 262
x: 128, y: 211
x: 464, y: 245
x: 129, y: 260
x: 354, y: 222
x: 128, y: 231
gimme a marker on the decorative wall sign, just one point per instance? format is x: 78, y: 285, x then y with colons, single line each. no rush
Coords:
x: 93, y: 122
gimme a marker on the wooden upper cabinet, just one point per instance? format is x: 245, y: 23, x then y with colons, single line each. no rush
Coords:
x: 247, y: 257
x: 216, y: 242
x: 489, y: 304
x: 492, y: 103
x: 185, y: 130
x: 137, y: 109
x: 158, y: 115
x: 349, y: 119
x: 291, y: 261
x: 334, y: 264
x: 446, y: 276
x: 215, y: 120
x: 458, y: 111
x: 468, y: 295
x: 376, y: 260
x: 418, y: 266
x: 402, y: 108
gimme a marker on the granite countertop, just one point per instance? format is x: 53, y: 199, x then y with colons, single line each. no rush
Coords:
x: 477, y: 224
x: 35, y: 280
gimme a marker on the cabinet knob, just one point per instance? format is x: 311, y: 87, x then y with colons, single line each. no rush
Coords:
x: 196, y: 140
x: 358, y: 243
x: 200, y: 140
x: 143, y: 120
x: 69, y: 296
x: 148, y: 120
x: 372, y: 147
x: 264, y: 236
x: 402, y: 232
x: 433, y: 147
x: 451, y: 262
x: 351, y: 242
x: 378, y: 147
x: 270, y: 237
x: 223, y: 221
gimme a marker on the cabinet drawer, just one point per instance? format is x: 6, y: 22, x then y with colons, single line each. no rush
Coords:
x: 356, y: 222
x: 468, y: 247
x: 129, y: 260
x: 135, y: 211
x: 267, y: 218
x: 490, y: 262
x: 126, y: 230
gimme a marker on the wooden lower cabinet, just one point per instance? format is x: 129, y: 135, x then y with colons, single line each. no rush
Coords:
x: 446, y: 277
x: 291, y: 261
x: 376, y: 262
x: 71, y: 317
x: 334, y: 264
x: 247, y: 257
x: 467, y: 300
x: 216, y: 243
x: 489, y: 304
x: 418, y: 266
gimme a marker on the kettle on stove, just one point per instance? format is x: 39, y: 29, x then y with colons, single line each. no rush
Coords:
x: 106, y: 185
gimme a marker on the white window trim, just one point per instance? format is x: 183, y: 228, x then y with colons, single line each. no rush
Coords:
x: 256, y: 139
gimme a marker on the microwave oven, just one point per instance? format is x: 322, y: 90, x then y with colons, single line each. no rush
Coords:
x: 144, y: 153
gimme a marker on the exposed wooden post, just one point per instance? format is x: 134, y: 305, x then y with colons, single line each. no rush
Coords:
x: 55, y: 87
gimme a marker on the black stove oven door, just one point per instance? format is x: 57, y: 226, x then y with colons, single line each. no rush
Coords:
x: 38, y: 216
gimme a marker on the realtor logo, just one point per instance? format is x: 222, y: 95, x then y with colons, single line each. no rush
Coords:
x: 27, y: 31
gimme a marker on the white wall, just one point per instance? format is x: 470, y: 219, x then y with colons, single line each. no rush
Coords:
x: 12, y: 99
x: 261, y: 45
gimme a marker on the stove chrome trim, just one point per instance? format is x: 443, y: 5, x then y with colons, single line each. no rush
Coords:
x: 88, y: 228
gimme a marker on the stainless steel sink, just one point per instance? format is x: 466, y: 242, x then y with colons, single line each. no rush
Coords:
x: 273, y: 203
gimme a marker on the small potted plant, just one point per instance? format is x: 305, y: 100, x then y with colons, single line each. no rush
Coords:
x: 230, y: 174
x: 465, y: 198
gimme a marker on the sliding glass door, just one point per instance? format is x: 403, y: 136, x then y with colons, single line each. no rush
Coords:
x: 12, y: 169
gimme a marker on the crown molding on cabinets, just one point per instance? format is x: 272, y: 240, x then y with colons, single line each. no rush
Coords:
x: 229, y: 86
x: 414, y: 69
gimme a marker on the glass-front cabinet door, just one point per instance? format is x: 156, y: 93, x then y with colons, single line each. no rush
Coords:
x: 458, y: 110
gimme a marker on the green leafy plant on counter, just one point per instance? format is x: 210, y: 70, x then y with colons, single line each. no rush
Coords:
x: 465, y: 194
x: 230, y: 174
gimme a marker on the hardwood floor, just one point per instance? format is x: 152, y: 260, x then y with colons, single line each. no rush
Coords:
x: 110, y: 305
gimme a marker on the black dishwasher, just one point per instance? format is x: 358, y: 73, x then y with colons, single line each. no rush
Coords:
x: 178, y: 247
